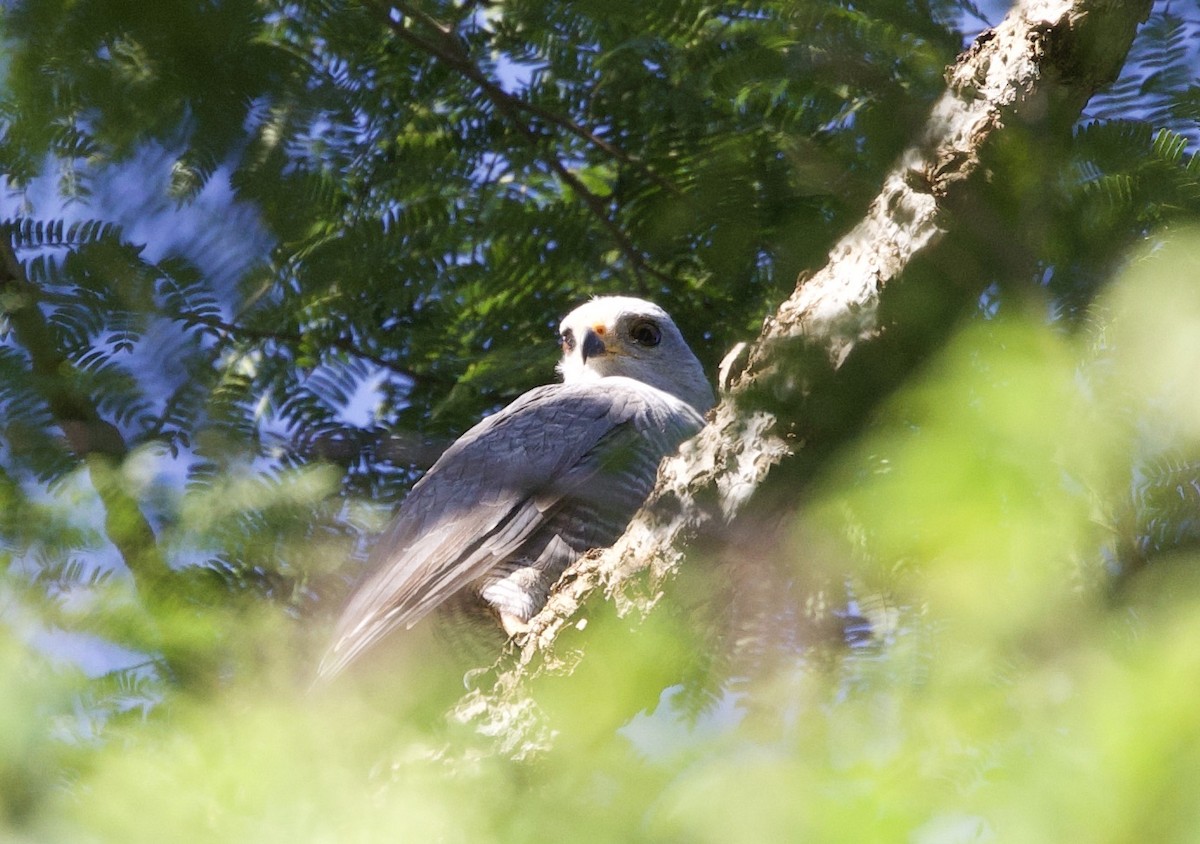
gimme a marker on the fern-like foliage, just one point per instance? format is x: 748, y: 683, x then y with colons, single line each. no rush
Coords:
x: 1159, y: 85
x: 1125, y: 179
x: 1167, y: 499
x: 1160, y: 518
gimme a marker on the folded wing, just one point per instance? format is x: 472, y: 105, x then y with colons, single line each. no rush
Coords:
x: 564, y: 463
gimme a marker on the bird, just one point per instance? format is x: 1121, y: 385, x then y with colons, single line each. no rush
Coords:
x: 520, y: 496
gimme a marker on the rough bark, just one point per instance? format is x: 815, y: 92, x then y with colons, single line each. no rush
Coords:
x: 1043, y: 61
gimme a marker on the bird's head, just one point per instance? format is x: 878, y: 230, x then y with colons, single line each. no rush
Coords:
x: 620, y: 335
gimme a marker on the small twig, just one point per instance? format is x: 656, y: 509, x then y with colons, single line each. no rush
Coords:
x: 229, y: 330
x: 452, y: 53
x: 596, y: 206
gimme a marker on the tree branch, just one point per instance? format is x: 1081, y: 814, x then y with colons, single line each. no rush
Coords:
x: 454, y: 55
x: 1045, y: 59
x: 346, y: 344
x: 96, y: 442
x: 449, y: 50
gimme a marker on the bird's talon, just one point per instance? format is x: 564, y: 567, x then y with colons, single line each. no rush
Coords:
x: 513, y: 625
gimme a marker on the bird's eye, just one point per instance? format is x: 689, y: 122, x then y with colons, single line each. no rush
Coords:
x: 645, y: 333
x: 567, y: 339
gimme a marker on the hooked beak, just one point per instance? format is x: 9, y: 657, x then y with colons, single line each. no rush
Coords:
x: 593, y: 346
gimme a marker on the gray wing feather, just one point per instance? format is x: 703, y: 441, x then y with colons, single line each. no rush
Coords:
x: 493, y: 489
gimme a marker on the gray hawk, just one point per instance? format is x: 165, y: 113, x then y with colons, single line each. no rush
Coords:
x: 525, y: 492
